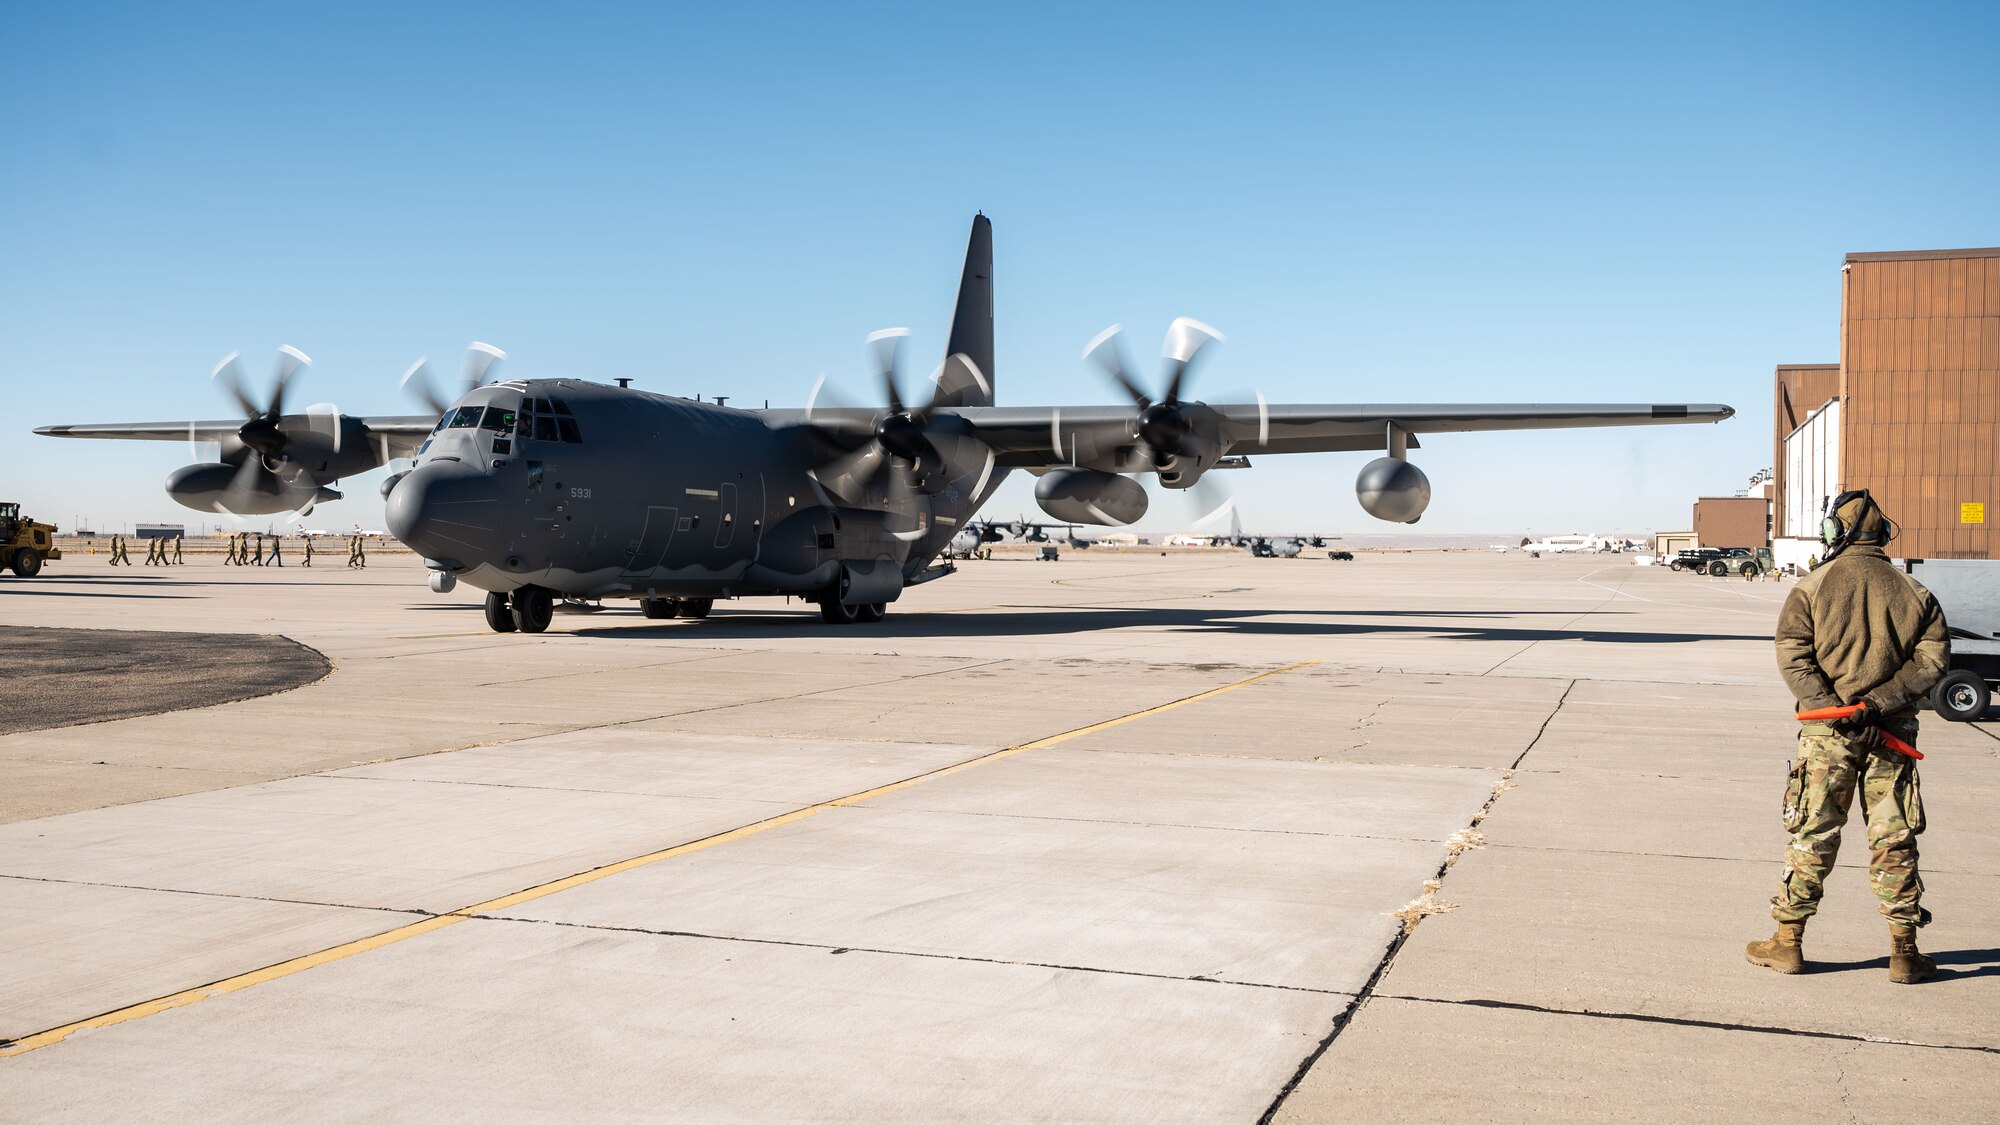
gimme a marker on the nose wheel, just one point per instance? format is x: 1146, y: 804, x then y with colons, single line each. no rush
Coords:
x: 528, y: 609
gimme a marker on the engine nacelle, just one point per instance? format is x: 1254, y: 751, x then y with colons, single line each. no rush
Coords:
x: 1392, y: 489
x: 1090, y: 496
x: 199, y: 486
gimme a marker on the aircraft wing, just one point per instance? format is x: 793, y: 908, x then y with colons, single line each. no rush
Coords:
x: 403, y: 433
x: 1048, y: 436
x: 148, y: 431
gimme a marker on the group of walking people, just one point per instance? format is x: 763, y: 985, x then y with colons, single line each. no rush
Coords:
x: 159, y: 552
x: 247, y: 549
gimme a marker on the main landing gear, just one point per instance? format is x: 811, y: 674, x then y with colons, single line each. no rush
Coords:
x: 835, y: 612
x: 528, y: 609
x: 660, y: 609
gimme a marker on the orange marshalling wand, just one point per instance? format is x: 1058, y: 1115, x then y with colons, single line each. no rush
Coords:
x: 1828, y: 714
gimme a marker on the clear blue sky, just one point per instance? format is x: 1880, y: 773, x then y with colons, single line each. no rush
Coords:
x: 1395, y: 203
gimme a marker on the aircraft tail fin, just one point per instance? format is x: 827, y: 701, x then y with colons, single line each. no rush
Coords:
x: 967, y: 378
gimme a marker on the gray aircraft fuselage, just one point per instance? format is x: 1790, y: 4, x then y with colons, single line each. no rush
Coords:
x: 651, y: 496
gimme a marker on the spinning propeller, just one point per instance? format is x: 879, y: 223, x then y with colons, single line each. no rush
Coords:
x: 267, y: 436
x: 902, y: 451
x: 1178, y: 434
x: 479, y: 360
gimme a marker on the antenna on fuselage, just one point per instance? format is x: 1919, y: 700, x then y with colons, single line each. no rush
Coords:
x: 623, y: 381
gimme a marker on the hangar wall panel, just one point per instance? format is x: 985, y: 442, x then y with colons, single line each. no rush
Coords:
x: 1801, y: 388
x: 1812, y: 468
x: 1920, y: 391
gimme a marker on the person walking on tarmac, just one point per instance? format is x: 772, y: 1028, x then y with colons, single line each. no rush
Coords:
x: 257, y: 555
x: 277, y: 550
x: 153, y: 552
x: 1856, y: 633
x: 178, y: 561
x: 309, y: 551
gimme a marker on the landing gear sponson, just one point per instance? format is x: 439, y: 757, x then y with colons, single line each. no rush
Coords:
x: 529, y: 609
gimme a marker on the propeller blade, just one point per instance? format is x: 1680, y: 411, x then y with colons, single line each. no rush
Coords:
x: 324, y: 418
x: 886, y: 347
x: 1105, y: 352
x: 849, y: 477
x: 479, y: 360
x: 228, y: 374
x: 417, y: 381
x: 1209, y: 499
x: 240, y: 495
x: 1185, y: 338
x: 289, y: 363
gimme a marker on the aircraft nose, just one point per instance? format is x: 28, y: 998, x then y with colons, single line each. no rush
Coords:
x: 444, y: 509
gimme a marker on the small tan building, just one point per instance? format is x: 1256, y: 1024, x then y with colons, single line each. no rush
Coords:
x: 1733, y: 521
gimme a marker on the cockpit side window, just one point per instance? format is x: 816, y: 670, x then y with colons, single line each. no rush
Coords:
x: 466, y: 417
x: 497, y: 419
x: 561, y: 406
x: 568, y: 427
x: 545, y: 428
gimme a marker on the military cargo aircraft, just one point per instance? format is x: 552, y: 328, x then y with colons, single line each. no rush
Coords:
x: 971, y: 542
x: 533, y: 489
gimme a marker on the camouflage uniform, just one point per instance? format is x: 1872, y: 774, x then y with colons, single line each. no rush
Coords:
x: 1830, y: 767
x: 1857, y: 630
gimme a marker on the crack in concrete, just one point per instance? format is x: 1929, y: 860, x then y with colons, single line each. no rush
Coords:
x: 833, y: 948
x: 1710, y: 1025
x: 1161, y: 824
x: 1346, y: 1017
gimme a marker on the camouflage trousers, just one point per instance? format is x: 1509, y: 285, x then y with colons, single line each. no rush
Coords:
x: 1818, y: 796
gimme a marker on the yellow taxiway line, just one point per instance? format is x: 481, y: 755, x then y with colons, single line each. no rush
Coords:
x: 437, y: 922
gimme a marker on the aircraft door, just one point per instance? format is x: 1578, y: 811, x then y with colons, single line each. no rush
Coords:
x: 725, y: 528
x: 654, y: 540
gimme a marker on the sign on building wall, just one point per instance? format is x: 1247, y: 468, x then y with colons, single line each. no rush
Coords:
x: 1972, y: 513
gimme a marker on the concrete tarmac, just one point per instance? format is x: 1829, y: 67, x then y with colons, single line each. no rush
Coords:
x: 1122, y: 837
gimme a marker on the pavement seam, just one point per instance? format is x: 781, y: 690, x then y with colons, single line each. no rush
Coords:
x: 837, y: 949
x: 1688, y: 1021
x: 282, y: 969
x: 1345, y: 1017
x: 235, y: 895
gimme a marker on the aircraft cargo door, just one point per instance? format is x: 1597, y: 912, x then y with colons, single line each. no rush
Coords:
x: 654, y: 540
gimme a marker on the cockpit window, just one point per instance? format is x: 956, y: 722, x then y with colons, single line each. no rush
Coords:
x: 568, y: 427
x: 466, y: 417
x: 545, y: 428
x: 561, y: 406
x: 497, y: 419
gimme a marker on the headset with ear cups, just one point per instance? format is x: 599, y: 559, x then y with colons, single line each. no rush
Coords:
x: 1837, y: 534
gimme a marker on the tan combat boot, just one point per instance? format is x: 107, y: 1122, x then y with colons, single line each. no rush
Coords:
x: 1906, y: 964
x: 1783, y: 952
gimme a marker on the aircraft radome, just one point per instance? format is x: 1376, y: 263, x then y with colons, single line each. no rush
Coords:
x: 530, y: 489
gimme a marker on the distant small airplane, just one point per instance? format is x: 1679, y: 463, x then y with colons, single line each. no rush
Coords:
x: 1565, y: 544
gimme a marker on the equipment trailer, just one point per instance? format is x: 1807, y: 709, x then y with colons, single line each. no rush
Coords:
x: 1968, y: 590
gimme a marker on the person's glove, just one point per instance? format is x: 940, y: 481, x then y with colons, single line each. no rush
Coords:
x: 1860, y: 720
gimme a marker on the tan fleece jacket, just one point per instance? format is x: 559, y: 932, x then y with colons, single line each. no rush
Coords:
x: 1857, y: 629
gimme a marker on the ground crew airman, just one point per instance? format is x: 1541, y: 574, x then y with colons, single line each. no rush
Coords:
x: 177, y: 550
x: 309, y: 551
x: 1856, y: 631
x: 357, y: 557
x: 257, y: 556
x: 153, y: 552
x: 277, y: 550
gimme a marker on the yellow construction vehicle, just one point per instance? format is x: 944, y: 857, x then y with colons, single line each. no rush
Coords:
x: 24, y: 544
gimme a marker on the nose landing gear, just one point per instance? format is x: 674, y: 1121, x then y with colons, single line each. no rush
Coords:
x: 528, y: 609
